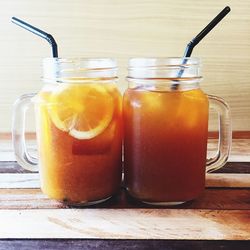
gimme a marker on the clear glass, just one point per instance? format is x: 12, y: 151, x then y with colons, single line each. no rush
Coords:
x: 166, y: 130
x: 79, y: 130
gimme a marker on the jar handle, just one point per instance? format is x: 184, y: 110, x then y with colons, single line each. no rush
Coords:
x: 23, y: 157
x: 225, y: 133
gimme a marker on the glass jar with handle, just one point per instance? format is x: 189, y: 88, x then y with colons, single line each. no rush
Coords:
x: 78, y: 128
x: 166, y: 130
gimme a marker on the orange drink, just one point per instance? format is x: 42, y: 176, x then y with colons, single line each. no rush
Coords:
x: 79, y: 131
x: 79, y: 135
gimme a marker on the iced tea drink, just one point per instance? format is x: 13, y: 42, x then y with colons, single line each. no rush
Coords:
x: 165, y: 130
x: 166, y: 143
x: 79, y: 132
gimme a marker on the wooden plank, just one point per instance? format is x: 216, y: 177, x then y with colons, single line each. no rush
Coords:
x: 126, y: 224
x: 228, y: 180
x: 11, y: 167
x: 235, y: 134
x: 6, y: 148
x: 237, y: 158
x: 230, y: 167
x: 212, y: 198
x: 26, y: 199
x: 7, y: 136
x: 240, y: 150
x: 235, y: 167
x: 107, y: 244
x: 31, y: 180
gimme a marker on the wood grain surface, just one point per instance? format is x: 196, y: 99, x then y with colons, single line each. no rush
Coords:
x: 31, y: 180
x: 107, y: 244
x: 219, y: 218
x: 124, y: 29
x: 229, y: 189
x: 212, y: 198
x: 127, y: 224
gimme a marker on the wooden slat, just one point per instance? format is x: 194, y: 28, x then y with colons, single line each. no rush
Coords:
x: 228, y: 180
x: 126, y: 224
x: 240, y: 150
x: 26, y: 199
x: 235, y: 167
x: 31, y: 180
x: 211, y: 199
x: 235, y: 134
x: 19, y: 180
x: 230, y: 167
x: 11, y: 167
x: 7, y: 136
x: 7, y: 151
x: 107, y: 244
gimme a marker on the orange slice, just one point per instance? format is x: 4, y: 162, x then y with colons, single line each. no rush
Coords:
x: 83, y: 110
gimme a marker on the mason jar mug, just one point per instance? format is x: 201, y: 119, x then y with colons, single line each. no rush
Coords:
x: 166, y: 130
x: 78, y: 128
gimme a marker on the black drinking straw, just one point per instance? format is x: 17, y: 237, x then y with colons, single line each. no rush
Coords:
x: 200, y: 36
x: 205, y: 31
x: 38, y: 32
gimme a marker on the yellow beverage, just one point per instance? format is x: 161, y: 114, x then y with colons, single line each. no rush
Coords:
x: 79, y: 134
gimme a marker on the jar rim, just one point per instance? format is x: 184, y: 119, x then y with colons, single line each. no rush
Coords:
x: 144, y: 62
x: 180, y: 68
x: 89, y: 63
x: 79, y: 68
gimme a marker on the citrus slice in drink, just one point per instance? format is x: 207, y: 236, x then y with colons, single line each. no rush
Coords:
x: 83, y: 110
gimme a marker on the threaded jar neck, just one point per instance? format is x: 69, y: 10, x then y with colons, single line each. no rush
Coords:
x: 164, y: 73
x: 76, y: 70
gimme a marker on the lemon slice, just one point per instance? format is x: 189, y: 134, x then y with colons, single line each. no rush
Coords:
x: 83, y: 110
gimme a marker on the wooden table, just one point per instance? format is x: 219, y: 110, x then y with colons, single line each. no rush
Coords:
x: 220, y: 218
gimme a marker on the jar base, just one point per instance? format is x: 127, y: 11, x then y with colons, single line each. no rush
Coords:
x: 84, y: 203
x: 157, y: 203
x: 164, y: 203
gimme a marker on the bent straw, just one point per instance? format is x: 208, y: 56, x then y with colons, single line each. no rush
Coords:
x: 205, y: 31
x: 198, y: 38
x: 38, y: 32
